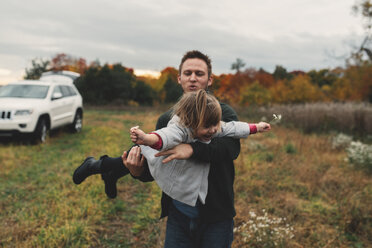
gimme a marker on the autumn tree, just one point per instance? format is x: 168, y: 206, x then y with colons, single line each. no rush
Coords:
x: 255, y: 94
x: 342, y: 90
x: 280, y: 92
x: 220, y: 85
x: 67, y: 62
x: 359, y: 80
x: 280, y: 73
x: 322, y: 77
x: 302, y: 90
x: 237, y: 65
x: 298, y: 90
x: 230, y: 86
x: 38, y: 67
x: 167, y: 85
x: 264, y: 78
x: 364, y: 8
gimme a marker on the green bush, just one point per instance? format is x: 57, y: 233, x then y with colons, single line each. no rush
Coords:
x: 290, y: 148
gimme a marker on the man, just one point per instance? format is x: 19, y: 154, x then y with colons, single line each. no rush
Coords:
x: 213, y: 226
x: 208, y: 225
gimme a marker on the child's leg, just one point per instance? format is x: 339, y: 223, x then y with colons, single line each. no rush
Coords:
x: 111, y: 170
x: 108, y: 164
x: 90, y: 166
x: 111, y: 177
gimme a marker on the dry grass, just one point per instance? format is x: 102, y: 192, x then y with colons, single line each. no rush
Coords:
x: 286, y: 172
x: 326, y: 201
x: 352, y: 118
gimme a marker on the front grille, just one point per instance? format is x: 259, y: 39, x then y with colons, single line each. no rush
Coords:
x: 5, y: 115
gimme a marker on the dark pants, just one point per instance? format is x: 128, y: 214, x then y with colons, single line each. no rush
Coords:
x: 113, y: 164
x: 184, y: 232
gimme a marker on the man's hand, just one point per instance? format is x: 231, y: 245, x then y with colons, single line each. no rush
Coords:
x: 133, y: 161
x: 181, y: 151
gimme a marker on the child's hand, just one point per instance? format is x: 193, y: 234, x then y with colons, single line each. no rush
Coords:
x: 263, y: 127
x: 137, y: 135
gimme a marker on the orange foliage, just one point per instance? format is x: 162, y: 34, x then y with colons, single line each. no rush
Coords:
x: 302, y: 90
x: 298, y: 90
x: 265, y: 79
x: 165, y: 74
x: 342, y: 90
x: 360, y: 78
x: 254, y: 94
x: 223, y: 86
x: 279, y: 92
x: 66, y: 62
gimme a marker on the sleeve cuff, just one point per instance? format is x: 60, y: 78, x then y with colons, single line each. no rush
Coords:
x: 158, y: 145
x: 252, y: 128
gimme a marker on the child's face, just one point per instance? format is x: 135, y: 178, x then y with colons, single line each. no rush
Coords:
x: 206, y: 133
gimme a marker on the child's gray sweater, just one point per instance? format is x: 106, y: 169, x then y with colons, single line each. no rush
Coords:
x: 185, y: 180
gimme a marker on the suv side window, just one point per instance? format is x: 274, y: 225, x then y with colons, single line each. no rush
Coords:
x: 72, y: 91
x: 65, y: 91
x: 57, y: 89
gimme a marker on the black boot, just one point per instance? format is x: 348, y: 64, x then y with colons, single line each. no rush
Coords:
x: 89, y: 167
x: 110, y: 184
x: 110, y: 178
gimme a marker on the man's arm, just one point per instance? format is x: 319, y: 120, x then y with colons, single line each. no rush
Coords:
x: 223, y: 147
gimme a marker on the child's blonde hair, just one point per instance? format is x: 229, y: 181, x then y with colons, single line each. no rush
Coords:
x: 198, y: 109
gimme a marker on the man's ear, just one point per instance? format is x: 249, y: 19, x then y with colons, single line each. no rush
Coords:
x: 179, y: 79
x: 210, y: 80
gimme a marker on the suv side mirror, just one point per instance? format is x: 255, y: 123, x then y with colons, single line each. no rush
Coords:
x: 56, y: 95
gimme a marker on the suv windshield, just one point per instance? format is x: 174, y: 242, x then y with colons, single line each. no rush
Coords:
x: 24, y: 91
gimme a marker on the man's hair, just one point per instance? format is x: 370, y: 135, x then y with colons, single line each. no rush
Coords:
x: 195, y: 54
x: 198, y: 109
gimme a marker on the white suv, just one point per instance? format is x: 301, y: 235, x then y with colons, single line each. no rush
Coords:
x: 33, y: 107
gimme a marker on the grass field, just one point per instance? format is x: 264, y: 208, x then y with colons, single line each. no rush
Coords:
x: 292, y: 190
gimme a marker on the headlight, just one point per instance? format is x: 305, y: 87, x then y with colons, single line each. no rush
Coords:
x: 23, y: 112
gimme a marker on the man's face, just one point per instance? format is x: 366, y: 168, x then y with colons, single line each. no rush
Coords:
x: 194, y: 75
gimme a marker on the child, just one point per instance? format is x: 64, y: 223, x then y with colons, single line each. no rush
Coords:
x: 196, y: 116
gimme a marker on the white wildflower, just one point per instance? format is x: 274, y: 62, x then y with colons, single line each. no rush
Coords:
x: 252, y: 214
x: 360, y: 154
x: 276, y: 118
x: 341, y: 141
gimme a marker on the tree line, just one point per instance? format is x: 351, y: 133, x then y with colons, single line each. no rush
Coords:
x: 117, y: 84
x: 111, y: 83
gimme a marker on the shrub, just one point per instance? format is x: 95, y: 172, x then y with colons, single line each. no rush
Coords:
x: 341, y: 141
x: 360, y: 155
x: 265, y: 231
x: 290, y: 148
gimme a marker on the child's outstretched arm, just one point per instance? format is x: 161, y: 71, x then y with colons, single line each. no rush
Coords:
x: 139, y: 137
x: 240, y: 130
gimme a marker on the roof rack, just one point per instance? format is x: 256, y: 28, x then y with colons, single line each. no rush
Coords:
x: 70, y: 74
x: 59, y: 76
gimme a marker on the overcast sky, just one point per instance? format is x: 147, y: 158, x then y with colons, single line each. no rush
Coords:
x: 154, y: 34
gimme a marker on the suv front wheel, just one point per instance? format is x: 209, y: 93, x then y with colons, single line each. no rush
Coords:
x: 41, y: 132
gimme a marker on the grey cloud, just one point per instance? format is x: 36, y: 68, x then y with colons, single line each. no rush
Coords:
x: 154, y: 34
